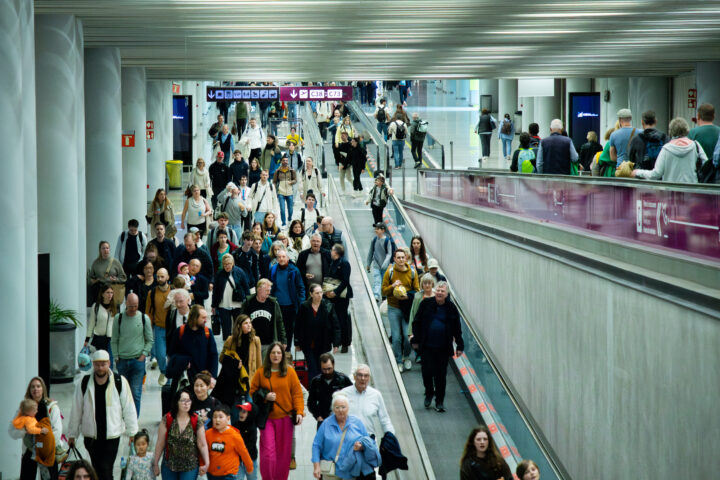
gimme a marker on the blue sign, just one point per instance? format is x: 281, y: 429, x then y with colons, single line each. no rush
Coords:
x: 584, y: 117
x: 239, y: 94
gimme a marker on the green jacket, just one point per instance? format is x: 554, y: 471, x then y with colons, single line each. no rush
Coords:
x: 133, y: 338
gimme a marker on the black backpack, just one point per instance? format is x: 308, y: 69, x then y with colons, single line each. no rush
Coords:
x: 652, y: 150
x: 400, y: 131
x: 86, y: 379
x: 381, y: 115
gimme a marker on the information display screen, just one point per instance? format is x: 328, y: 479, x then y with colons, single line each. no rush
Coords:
x: 584, y: 117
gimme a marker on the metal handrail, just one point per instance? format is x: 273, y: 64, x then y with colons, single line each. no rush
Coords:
x: 532, y: 426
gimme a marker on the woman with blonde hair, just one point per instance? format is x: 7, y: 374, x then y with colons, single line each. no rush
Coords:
x: 240, y: 358
x: 200, y: 176
x: 160, y: 210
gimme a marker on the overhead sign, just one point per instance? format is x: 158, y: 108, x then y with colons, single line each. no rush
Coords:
x: 300, y: 94
x: 248, y: 94
x: 176, y: 88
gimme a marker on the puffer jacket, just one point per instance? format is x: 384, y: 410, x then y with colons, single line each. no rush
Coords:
x: 284, y: 181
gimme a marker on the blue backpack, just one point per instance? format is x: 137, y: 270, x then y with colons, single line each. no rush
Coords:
x: 652, y: 150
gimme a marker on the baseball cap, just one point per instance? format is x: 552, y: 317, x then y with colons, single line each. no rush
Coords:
x: 100, y: 356
x: 624, y: 113
x: 193, y: 230
x: 221, y: 155
x: 380, y: 225
x: 247, y: 406
x: 432, y: 263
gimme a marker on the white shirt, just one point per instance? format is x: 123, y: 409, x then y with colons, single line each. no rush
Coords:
x: 179, y: 318
x: 255, y: 137
x: 368, y: 405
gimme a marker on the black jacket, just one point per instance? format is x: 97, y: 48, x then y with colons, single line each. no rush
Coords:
x: 250, y: 264
x: 321, y: 392
x: 344, y: 153
x: 358, y: 157
x: 200, y: 289
x: 182, y: 255
x: 221, y: 278
x: 639, y: 148
x: 166, y: 249
x: 248, y: 430
x: 238, y: 170
x: 219, y: 175
x: 391, y: 454
x: 587, y: 153
x: 302, y: 262
x: 423, y: 319
x: 340, y: 269
x: 322, y: 330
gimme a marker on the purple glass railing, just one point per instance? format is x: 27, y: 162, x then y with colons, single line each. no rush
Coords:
x: 677, y: 219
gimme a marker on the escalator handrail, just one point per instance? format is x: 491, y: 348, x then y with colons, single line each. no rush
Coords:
x: 533, y: 427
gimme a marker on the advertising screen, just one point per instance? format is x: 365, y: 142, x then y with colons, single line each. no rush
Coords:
x: 584, y: 116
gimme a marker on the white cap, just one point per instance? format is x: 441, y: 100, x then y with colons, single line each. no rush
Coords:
x: 100, y: 356
x: 432, y: 263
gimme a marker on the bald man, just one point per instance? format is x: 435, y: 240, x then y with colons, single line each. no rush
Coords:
x: 132, y: 342
x: 155, y: 308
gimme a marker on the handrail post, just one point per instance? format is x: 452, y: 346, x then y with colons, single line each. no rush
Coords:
x: 388, y: 167
x: 451, y: 157
x: 442, y: 155
x: 322, y: 166
x: 403, y: 183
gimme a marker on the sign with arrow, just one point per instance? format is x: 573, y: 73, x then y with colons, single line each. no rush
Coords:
x: 240, y: 94
x: 318, y: 94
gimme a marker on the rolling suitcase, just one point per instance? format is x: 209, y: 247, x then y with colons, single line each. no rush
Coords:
x: 302, y: 372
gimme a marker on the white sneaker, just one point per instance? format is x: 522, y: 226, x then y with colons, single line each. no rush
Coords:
x: 401, y: 368
x: 154, y: 364
x: 162, y: 380
x: 408, y: 364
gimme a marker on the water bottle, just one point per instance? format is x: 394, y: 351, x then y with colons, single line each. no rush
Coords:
x: 123, y: 463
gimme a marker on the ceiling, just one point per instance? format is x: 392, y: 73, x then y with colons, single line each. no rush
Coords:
x: 309, y: 40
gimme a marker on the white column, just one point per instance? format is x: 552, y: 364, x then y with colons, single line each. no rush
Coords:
x: 618, y: 90
x: 18, y: 136
x: 82, y: 206
x: 159, y: 111
x: 527, y: 105
x: 507, y: 103
x: 134, y: 159
x: 546, y: 109
x: 103, y: 168
x: 708, y: 90
x: 649, y: 93
x: 489, y: 86
x: 59, y: 103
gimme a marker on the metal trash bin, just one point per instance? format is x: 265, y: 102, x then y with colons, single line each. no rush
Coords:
x: 174, y: 170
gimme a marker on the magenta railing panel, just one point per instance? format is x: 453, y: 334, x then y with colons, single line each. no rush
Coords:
x: 682, y: 222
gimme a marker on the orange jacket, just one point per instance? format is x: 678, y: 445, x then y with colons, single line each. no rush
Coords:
x: 287, y: 388
x: 226, y: 449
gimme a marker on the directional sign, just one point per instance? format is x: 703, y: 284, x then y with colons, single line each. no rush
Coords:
x: 259, y: 94
x: 295, y: 94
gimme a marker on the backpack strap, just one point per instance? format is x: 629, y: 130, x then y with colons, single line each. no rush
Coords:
x: 84, y: 383
x: 86, y: 379
x: 182, y: 330
x: 302, y: 217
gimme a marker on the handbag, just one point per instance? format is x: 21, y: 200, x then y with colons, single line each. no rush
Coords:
x: 237, y: 295
x: 67, y: 464
x: 292, y: 413
x: 327, y: 467
x: 330, y: 284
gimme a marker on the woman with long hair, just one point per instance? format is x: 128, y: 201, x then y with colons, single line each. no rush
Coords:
x: 277, y: 383
x: 200, y: 176
x: 106, y: 268
x: 181, y: 442
x: 142, y: 282
x: 481, y: 458
x: 197, y: 209
x: 419, y: 258
x: 269, y: 226
x: 527, y: 470
x: 317, y: 329
x: 311, y: 179
x: 160, y: 210
x: 240, y: 358
x: 254, y: 172
x: 298, y: 239
x: 47, y: 408
x: 99, y: 327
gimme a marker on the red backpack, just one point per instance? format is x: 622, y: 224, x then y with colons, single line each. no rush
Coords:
x: 168, y: 424
x: 182, y: 330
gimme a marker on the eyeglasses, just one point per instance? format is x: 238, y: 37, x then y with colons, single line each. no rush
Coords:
x: 185, y: 400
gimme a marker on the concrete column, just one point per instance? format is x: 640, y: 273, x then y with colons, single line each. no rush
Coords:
x: 527, y: 105
x: 649, y: 93
x: 489, y: 86
x: 507, y: 103
x: 103, y: 168
x: 59, y: 103
x: 618, y: 90
x: 82, y: 205
x: 574, y: 85
x: 708, y: 89
x: 134, y: 159
x: 546, y: 109
x: 159, y: 111
x: 18, y: 136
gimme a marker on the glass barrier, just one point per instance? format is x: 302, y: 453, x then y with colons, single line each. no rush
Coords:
x: 679, y: 219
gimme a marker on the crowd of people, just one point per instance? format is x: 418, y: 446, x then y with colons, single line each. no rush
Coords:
x: 264, y: 276
x: 682, y: 155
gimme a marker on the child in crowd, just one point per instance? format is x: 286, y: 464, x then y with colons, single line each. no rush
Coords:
x: 226, y: 447
x: 26, y: 418
x: 178, y: 284
x: 140, y: 465
x: 247, y: 425
x: 184, y: 273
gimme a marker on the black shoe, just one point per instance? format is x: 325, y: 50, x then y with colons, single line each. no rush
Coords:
x: 417, y: 165
x: 428, y: 401
x: 344, y: 349
x: 439, y: 407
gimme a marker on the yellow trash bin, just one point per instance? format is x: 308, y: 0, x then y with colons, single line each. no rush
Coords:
x: 174, y: 170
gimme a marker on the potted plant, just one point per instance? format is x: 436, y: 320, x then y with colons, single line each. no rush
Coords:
x: 63, y: 323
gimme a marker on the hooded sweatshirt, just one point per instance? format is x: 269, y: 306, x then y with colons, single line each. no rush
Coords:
x: 676, y: 163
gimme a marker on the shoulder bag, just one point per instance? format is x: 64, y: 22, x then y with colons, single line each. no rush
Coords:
x: 330, y: 284
x: 327, y: 467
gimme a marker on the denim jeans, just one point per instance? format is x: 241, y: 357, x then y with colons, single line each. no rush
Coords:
x: 398, y: 330
x: 242, y: 473
x: 134, y: 371
x: 377, y: 276
x: 283, y: 200
x: 226, y: 320
x: 507, y: 146
x: 159, y: 348
x: 398, y: 147
x: 168, y: 474
x: 382, y: 127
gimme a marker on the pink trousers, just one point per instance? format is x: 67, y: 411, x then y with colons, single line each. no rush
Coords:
x: 276, y: 449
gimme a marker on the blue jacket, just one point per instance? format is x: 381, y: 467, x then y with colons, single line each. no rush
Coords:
x: 508, y: 136
x: 221, y: 279
x: 327, y: 440
x: 197, y: 345
x: 392, y: 457
x: 340, y: 269
x: 295, y: 284
x: 362, y: 462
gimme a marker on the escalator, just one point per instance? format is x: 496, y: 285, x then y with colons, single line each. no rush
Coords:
x: 476, y: 391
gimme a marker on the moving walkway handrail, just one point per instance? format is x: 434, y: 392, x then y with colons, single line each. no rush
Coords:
x: 514, y: 397
x: 424, y: 457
